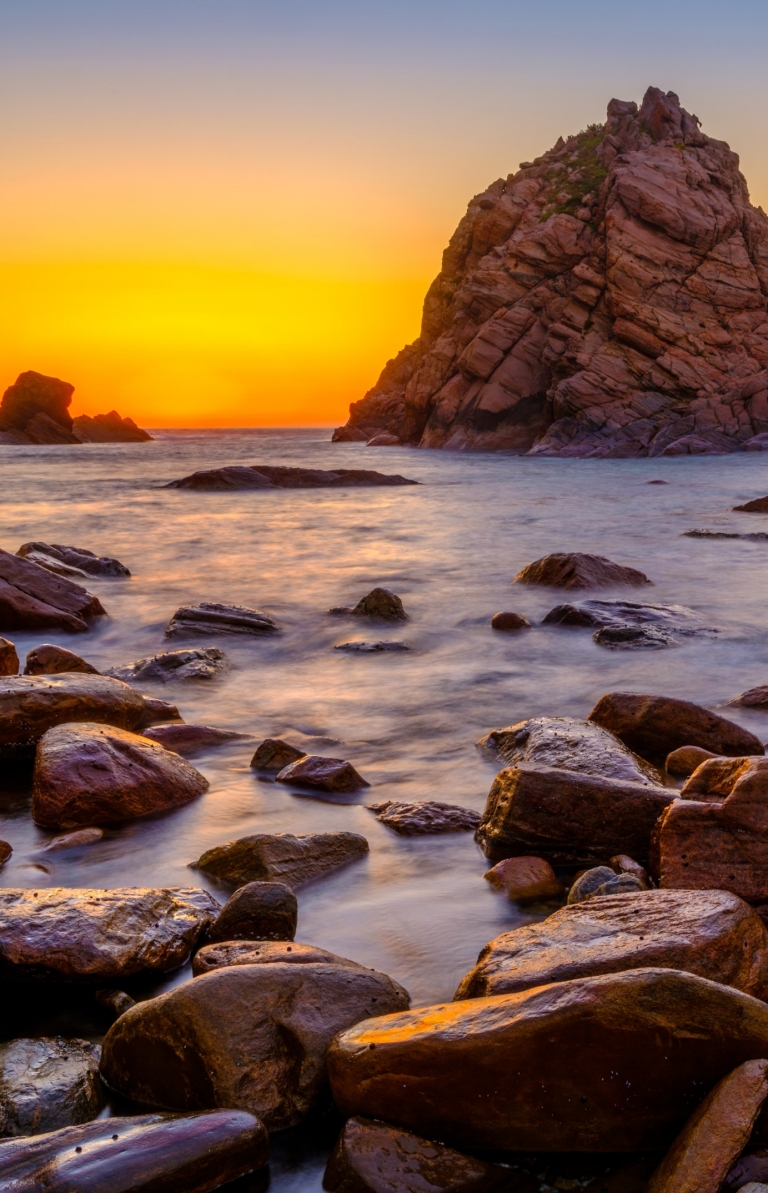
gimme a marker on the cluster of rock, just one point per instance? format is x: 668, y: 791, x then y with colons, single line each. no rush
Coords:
x: 607, y: 299
x: 35, y: 409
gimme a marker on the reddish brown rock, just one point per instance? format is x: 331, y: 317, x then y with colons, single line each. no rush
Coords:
x: 622, y: 864
x: 752, y: 698
x: 32, y: 598
x: 9, y: 659
x: 53, y: 660
x: 576, y: 570
x: 715, y: 1135
x: 568, y: 817
x: 715, y: 779
x: 251, y: 1037
x: 95, y: 774
x: 148, y: 1153
x: 613, y: 1063
x: 72, y: 935
x: 381, y: 605
x: 525, y: 879
x: 654, y: 726
x: 158, y: 712
x: 710, y: 933
x: 758, y: 506
x: 426, y: 817
x: 322, y: 774
x: 31, y: 705
x: 257, y: 911
x: 46, y: 1084
x: 274, y: 754
x: 569, y: 744
x: 281, y: 857
x: 683, y: 762
x: 263, y: 952
x: 83, y: 836
x: 189, y: 740
x: 510, y: 621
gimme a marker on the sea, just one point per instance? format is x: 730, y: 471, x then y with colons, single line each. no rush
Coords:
x: 417, y: 908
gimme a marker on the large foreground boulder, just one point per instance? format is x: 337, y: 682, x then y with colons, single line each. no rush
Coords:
x: 653, y: 726
x: 568, y: 817
x: 149, y: 1153
x: 270, y: 476
x: 574, y: 570
x: 95, y: 774
x: 46, y: 1084
x: 282, y: 857
x: 252, y: 1037
x: 606, y: 1064
x: 30, y: 705
x: 72, y: 935
x: 32, y: 598
x: 711, y: 933
x: 569, y: 744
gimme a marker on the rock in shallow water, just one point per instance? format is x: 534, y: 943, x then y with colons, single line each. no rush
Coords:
x: 282, y: 857
x: 379, y: 604
x: 372, y: 647
x: 257, y: 911
x: 83, y: 836
x: 264, y: 476
x: 656, y: 725
x: 209, y: 618
x: 157, y: 712
x: 316, y: 773
x: 576, y: 570
x: 427, y: 817
x: 46, y: 1084
x: 31, y: 598
x: 510, y: 621
x: 9, y: 659
x: 30, y: 705
x: 631, y: 626
x: 569, y: 744
x: 192, y: 739
x: 264, y: 952
x: 752, y: 698
x: 525, y: 879
x: 274, y: 754
x: 759, y: 505
x: 202, y: 662
x: 75, y: 557
x: 53, y: 660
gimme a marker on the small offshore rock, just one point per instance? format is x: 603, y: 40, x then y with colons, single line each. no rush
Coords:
x: 157, y: 712
x: 758, y: 506
x: 53, y: 660
x: 46, y: 1084
x: 683, y: 761
x: 5, y: 852
x: 587, y: 883
x: 372, y: 647
x: 257, y: 911
x: 76, y: 557
x: 575, y: 570
x: 570, y: 744
x: 510, y: 621
x: 32, y: 598
x: 263, y: 952
x: 189, y: 740
x: 427, y: 817
x: 322, y: 774
x: 9, y: 659
x: 270, y: 476
x: 282, y: 857
x: 147, y: 1153
x: 202, y: 662
x: 654, y: 726
x: 274, y: 755
x: 631, y: 625
x: 525, y: 879
x: 212, y: 618
x: 752, y: 698
x: 30, y: 705
x: 379, y: 604
x: 83, y: 836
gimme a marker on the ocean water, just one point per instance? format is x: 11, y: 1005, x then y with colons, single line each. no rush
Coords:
x: 417, y: 908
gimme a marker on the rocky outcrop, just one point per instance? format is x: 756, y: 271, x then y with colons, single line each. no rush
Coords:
x: 281, y: 857
x: 654, y: 726
x: 628, y: 625
x: 9, y: 659
x: 107, y: 428
x: 36, y: 410
x: 32, y: 598
x: 273, y: 755
x: 55, y: 556
x: 30, y: 705
x: 379, y: 604
x: 268, y: 476
x: 607, y: 299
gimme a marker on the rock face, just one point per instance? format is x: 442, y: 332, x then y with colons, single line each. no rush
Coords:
x: 30, y: 705
x: 257, y: 911
x: 148, y: 1153
x: 263, y: 952
x: 54, y: 660
x: 656, y: 725
x: 108, y: 428
x: 263, y: 476
x: 569, y: 744
x: 46, y: 1084
x: 94, y: 774
x: 613, y: 1063
x: 9, y: 659
x: 31, y: 598
x: 281, y: 857
x: 710, y: 933
x: 574, y: 570
x: 568, y: 818
x: 250, y: 1037
x: 607, y: 299
x: 428, y: 817
x: 333, y: 775
x: 76, y: 558
x: 72, y: 935
x: 203, y: 662
x: 210, y: 618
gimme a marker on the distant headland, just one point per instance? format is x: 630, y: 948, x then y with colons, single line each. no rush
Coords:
x: 35, y: 409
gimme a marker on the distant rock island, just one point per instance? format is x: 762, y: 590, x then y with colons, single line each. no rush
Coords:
x: 608, y: 299
x: 279, y: 476
x: 36, y: 410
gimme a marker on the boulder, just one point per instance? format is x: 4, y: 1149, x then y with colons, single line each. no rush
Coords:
x: 567, y: 817
x: 53, y: 660
x: 108, y: 428
x: 574, y: 569
x: 46, y: 1084
x: 71, y: 935
x: 250, y: 1037
x: 373, y: 647
x: 274, y: 755
x: 710, y: 933
x: 373, y: 1157
x: 510, y: 621
x: 333, y: 775
x: 31, y: 705
x: 32, y: 598
x: 752, y: 698
x: 525, y: 879
x: 157, y: 712
x: 715, y: 1135
x: 147, y: 1153
x: 429, y: 816
x: 192, y: 739
x: 209, y: 618
x: 202, y: 662
x: 93, y: 774
x: 282, y: 857
x: 263, y: 952
x: 270, y: 476
x: 655, y: 725
x: 683, y: 761
x: 759, y: 505
x: 610, y: 1063
x: 9, y: 659
x: 589, y: 882
x: 257, y: 911
x: 569, y: 744
x: 76, y: 558
x: 75, y: 840
x: 381, y: 605
x: 33, y: 397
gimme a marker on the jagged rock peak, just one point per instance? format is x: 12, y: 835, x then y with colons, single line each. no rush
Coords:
x: 607, y: 299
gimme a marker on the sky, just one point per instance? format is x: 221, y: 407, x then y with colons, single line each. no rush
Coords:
x: 227, y: 213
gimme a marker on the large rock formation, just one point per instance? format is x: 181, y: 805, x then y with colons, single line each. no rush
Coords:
x: 608, y: 299
x: 35, y: 409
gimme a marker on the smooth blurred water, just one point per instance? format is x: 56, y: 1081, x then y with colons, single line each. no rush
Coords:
x: 418, y: 908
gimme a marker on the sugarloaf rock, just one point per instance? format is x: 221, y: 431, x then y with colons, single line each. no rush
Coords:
x: 607, y: 299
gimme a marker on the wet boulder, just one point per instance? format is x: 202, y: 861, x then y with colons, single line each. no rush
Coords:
x: 9, y: 659
x: 76, y: 558
x: 209, y: 618
x: 752, y: 698
x: 32, y: 598
x: 510, y: 621
x: 710, y: 933
x: 189, y: 740
x: 610, y: 1063
x: 264, y: 952
x: 567, y: 817
x: 717, y: 778
x: 379, y: 604
x: 525, y: 879
x: 71, y: 935
x: 46, y: 1084
x: 426, y: 817
x: 250, y: 1037
x: 147, y: 1153
x: 257, y: 911
x: 569, y: 744
x: 53, y: 660
x: 574, y: 570
x: 95, y: 774
x: 274, y: 754
x: 315, y: 773
x: 30, y: 705
x: 282, y: 857
x: 157, y: 712
x: 196, y: 663
x: 653, y: 726
x: 683, y: 762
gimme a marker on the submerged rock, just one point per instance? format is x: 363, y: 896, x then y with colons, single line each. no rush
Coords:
x: 46, y: 1084
x: 372, y: 647
x: 211, y: 618
x: 573, y: 569
x: 274, y: 754
x: 9, y: 659
x: 257, y: 911
x: 83, y: 836
x: 656, y: 725
x: 31, y: 705
x: 74, y: 557
x: 189, y: 740
x: 427, y: 817
x: 570, y: 744
x: 202, y: 662
x: 263, y: 952
x: 630, y: 625
x: 32, y: 598
x: 322, y: 774
x: 525, y: 879
x: 263, y: 476
x: 510, y: 621
x: 719, y: 534
x: 54, y: 660
x: 281, y: 857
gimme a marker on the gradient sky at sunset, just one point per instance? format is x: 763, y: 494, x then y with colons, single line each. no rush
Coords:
x: 227, y: 213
